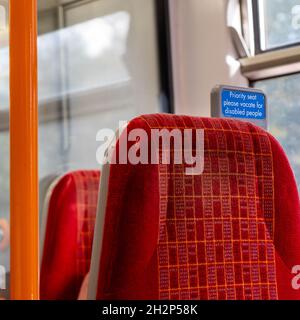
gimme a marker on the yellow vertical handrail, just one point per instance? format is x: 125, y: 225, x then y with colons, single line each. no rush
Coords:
x: 24, y: 150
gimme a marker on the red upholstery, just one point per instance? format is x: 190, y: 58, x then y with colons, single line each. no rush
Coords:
x: 69, y: 235
x: 232, y: 232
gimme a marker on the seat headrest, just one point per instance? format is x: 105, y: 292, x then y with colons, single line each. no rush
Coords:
x: 69, y: 234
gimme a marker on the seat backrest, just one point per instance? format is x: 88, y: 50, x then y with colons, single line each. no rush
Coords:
x: 232, y: 232
x: 68, y: 235
x: 45, y: 191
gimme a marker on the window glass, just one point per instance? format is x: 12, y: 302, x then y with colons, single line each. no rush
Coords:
x: 284, y: 122
x: 98, y: 66
x: 279, y: 22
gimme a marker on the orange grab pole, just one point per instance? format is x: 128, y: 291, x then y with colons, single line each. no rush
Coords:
x: 24, y: 150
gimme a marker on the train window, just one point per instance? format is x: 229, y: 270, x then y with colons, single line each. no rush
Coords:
x: 99, y: 63
x: 277, y: 23
x: 274, y: 66
x: 283, y: 97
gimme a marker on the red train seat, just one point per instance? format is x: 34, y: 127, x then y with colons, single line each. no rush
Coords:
x: 232, y: 232
x: 68, y: 236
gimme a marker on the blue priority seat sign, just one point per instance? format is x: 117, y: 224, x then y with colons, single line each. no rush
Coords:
x: 239, y: 103
x: 243, y: 104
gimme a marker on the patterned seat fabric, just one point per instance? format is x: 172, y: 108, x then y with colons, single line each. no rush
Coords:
x: 69, y: 234
x: 232, y: 232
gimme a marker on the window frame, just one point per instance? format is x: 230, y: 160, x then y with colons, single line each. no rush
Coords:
x: 269, y: 63
x: 257, y: 32
x: 165, y: 54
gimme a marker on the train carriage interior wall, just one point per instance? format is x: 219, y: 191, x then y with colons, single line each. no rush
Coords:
x: 218, y: 217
